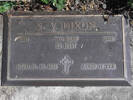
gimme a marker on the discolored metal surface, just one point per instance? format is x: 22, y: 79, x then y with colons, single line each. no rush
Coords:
x: 65, y: 50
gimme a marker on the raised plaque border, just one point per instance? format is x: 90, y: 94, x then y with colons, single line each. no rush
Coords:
x: 6, y: 80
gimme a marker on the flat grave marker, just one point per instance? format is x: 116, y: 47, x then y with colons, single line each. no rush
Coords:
x: 64, y: 50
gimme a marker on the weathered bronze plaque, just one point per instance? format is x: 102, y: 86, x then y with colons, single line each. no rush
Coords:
x: 65, y: 50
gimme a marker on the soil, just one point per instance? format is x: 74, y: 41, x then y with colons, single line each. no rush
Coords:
x: 109, y: 6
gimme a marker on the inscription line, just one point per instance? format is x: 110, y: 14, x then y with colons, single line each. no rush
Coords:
x: 72, y: 33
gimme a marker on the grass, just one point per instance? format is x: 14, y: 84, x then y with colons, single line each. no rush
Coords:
x: 59, y: 4
x: 130, y: 3
x: 5, y: 6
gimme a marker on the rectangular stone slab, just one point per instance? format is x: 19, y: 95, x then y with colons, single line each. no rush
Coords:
x: 65, y: 50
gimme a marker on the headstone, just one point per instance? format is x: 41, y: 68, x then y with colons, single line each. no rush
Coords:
x: 64, y: 50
